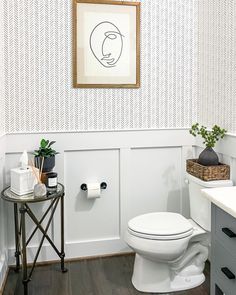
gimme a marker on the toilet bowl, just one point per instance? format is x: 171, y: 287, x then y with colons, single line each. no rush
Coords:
x: 162, y: 263
x: 171, y: 250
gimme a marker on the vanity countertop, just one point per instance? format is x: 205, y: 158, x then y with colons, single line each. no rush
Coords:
x: 223, y: 197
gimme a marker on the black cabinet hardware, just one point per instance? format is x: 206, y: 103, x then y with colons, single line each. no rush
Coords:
x: 228, y: 232
x: 228, y: 273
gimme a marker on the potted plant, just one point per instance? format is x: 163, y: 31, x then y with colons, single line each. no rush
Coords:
x: 208, y: 156
x: 46, y: 155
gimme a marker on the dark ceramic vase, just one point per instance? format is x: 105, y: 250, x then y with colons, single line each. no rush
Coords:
x: 208, y: 157
x: 48, y: 164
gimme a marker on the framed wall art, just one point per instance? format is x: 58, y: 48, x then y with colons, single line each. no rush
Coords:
x: 106, y: 44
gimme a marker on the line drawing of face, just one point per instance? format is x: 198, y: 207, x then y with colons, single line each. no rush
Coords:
x: 106, y: 44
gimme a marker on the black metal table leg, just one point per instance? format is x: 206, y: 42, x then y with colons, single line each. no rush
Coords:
x: 43, y: 237
x: 24, y: 257
x: 62, y: 255
x: 17, y: 253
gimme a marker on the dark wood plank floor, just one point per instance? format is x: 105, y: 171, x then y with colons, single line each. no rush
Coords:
x: 102, y: 276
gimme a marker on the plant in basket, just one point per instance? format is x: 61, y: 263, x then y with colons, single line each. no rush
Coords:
x: 208, y: 156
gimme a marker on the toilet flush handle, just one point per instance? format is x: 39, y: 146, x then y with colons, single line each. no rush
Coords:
x: 186, y: 181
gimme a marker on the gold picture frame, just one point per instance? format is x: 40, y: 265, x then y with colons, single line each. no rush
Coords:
x: 106, y: 44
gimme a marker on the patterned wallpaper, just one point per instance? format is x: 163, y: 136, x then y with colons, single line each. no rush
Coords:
x: 217, y: 63
x: 38, y: 54
x: 2, y: 84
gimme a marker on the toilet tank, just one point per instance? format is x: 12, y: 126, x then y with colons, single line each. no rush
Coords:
x: 200, y: 207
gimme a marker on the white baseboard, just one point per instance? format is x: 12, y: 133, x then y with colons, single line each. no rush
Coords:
x: 46, y: 254
x: 96, y: 248
x: 73, y: 250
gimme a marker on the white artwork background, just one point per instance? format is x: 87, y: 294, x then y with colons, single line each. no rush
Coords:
x: 89, y: 69
x: 92, y: 65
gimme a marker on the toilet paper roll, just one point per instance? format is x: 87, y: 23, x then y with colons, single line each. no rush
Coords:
x: 93, y: 190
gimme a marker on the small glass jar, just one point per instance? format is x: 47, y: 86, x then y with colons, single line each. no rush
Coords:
x: 51, y: 182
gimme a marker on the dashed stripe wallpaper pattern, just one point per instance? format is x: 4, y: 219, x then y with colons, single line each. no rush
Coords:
x: 217, y: 63
x: 2, y: 84
x: 38, y: 71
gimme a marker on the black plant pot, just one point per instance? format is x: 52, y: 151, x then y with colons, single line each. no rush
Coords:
x: 48, y: 164
x: 208, y: 157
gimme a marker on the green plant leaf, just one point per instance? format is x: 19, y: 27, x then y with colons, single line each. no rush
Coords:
x: 210, y: 136
x: 51, y: 143
x: 45, y: 149
x: 44, y: 143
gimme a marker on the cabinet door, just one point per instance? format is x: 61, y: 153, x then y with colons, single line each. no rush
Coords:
x: 225, y: 230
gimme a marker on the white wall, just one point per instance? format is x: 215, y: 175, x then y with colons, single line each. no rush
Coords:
x: 143, y: 171
x: 38, y: 55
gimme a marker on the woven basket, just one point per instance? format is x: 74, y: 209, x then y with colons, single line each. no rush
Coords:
x: 208, y: 173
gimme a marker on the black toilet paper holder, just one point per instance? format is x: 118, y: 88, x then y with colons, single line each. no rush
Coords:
x: 84, y: 187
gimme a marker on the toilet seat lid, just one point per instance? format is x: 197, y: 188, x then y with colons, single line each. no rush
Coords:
x: 160, y: 224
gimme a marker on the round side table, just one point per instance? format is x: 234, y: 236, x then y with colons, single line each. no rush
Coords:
x: 21, y: 241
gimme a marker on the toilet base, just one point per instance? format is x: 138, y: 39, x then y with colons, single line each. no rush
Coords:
x: 154, y: 277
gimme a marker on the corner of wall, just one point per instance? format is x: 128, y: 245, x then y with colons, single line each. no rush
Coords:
x: 216, y: 63
x: 3, y: 217
x: 2, y: 76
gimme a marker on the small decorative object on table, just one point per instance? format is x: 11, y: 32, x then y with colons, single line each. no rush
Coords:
x: 39, y: 188
x: 47, y: 154
x: 207, y: 166
x: 51, y: 181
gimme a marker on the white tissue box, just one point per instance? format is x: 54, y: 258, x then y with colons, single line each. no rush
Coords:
x: 23, y: 180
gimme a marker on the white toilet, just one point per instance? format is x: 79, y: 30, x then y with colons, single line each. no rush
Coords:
x: 171, y: 250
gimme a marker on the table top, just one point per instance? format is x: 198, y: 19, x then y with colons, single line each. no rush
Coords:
x: 9, y: 196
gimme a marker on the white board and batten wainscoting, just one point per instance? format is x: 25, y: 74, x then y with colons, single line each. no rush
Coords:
x: 144, y: 172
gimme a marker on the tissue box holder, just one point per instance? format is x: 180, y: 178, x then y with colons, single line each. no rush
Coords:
x: 22, y: 181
